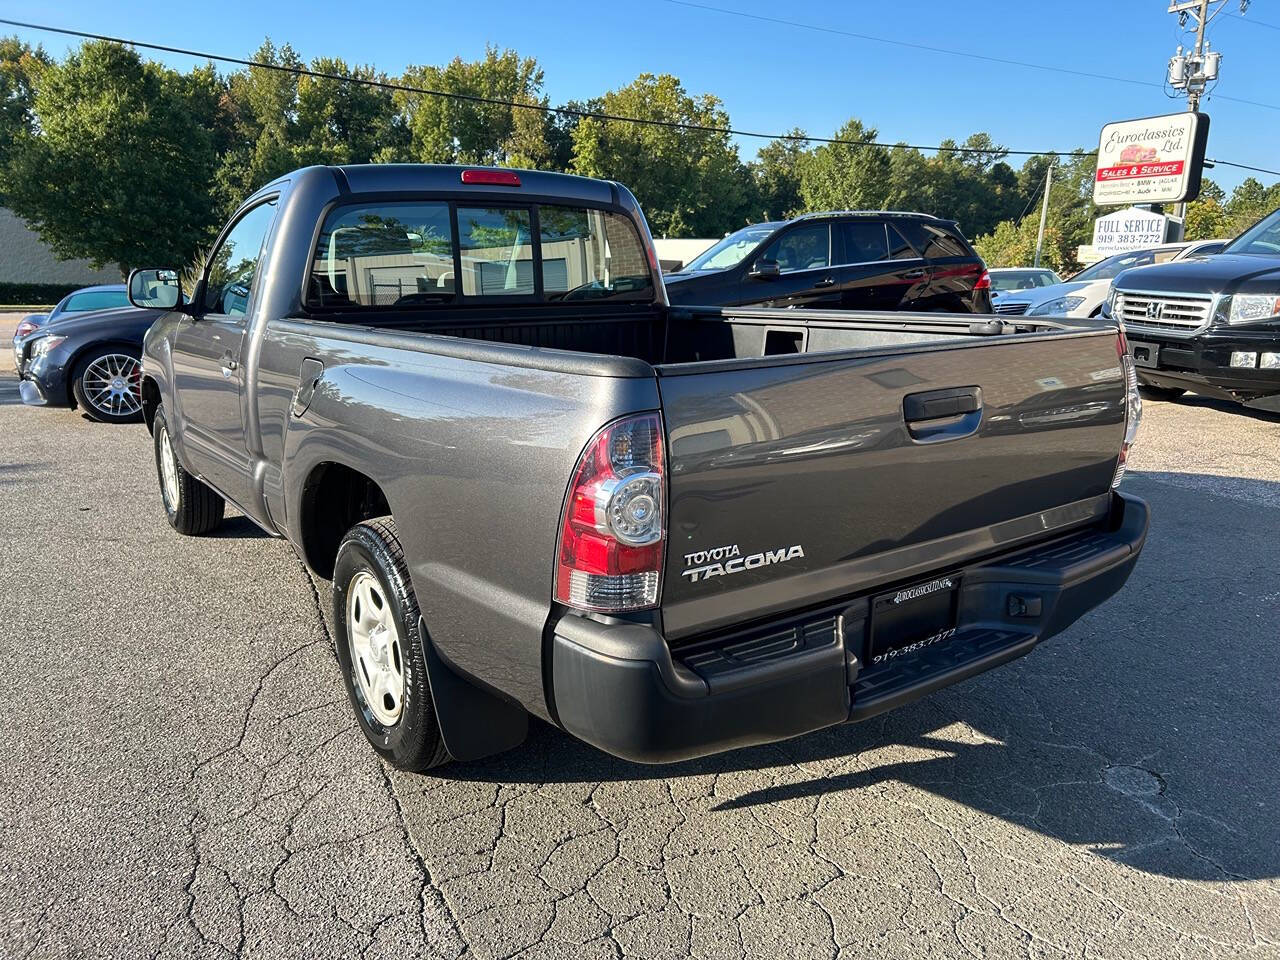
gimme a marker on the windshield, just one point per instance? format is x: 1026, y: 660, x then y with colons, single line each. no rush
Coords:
x: 731, y: 251
x: 95, y: 300
x: 1263, y: 237
x: 1005, y: 280
x: 1110, y: 267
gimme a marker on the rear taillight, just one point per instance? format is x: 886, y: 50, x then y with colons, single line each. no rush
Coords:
x: 614, y: 526
x: 1132, y: 406
x: 25, y: 327
x: 984, y: 282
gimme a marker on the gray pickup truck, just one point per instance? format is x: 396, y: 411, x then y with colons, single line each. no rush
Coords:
x: 461, y: 394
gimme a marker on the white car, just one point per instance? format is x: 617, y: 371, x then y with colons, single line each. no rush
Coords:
x: 1083, y: 294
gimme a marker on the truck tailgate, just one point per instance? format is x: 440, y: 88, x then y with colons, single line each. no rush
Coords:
x: 801, y: 478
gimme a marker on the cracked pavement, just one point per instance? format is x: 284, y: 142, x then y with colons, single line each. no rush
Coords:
x: 180, y: 775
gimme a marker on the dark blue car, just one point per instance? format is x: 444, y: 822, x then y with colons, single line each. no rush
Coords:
x: 89, y: 360
x: 103, y: 296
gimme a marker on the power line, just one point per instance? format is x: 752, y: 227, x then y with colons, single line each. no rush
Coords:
x: 562, y: 111
x: 1256, y: 23
x: 1051, y: 68
x: 517, y: 105
x: 1243, y: 166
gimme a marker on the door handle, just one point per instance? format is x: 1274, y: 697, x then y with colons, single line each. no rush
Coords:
x: 229, y: 364
x: 826, y: 282
x: 915, y: 274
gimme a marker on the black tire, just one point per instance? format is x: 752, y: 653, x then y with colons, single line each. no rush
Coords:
x: 87, y: 386
x: 196, y: 509
x: 1160, y: 393
x: 413, y: 740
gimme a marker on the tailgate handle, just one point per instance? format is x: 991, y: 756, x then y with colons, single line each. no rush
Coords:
x: 937, y: 404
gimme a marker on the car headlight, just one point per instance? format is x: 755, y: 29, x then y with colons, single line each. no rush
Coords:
x: 44, y: 344
x: 1248, y: 307
x: 1056, y: 305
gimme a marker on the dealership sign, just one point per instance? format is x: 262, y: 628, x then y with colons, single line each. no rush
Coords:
x: 1126, y: 230
x: 1155, y: 160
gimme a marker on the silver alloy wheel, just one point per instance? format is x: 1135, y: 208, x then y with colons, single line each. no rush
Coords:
x: 168, y: 470
x: 113, y: 384
x: 376, y: 655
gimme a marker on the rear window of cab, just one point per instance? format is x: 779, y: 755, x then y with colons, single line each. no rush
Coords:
x: 409, y: 253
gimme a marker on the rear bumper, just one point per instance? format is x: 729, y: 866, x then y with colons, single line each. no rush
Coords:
x: 1203, y: 364
x: 618, y: 685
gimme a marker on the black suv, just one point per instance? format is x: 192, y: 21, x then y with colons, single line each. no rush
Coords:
x: 1208, y: 324
x: 850, y: 260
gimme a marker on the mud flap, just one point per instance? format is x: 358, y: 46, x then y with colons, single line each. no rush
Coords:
x: 473, y: 722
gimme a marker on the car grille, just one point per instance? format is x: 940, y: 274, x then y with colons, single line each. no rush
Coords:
x: 1182, y: 315
x: 1017, y: 308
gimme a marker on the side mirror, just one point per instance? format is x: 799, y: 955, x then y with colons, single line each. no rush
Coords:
x: 155, y: 289
x: 765, y: 270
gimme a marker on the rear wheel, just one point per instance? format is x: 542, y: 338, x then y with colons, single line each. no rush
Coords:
x: 380, y: 646
x: 107, y: 384
x: 192, y: 508
x: 1160, y: 393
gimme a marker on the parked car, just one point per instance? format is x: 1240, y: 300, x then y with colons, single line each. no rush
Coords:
x: 1084, y: 294
x: 1208, y: 324
x: 852, y: 260
x: 1005, y: 280
x: 105, y: 296
x: 460, y: 393
x: 89, y: 360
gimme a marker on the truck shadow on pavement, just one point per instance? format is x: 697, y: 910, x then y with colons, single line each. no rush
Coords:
x: 1148, y: 733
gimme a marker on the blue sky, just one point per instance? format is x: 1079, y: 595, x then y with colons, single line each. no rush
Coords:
x: 772, y: 76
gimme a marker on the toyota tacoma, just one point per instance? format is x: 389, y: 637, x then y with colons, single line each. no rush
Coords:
x: 537, y: 489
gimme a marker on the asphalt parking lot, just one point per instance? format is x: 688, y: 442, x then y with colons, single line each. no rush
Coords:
x: 180, y: 776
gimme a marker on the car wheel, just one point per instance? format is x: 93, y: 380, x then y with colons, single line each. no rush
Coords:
x: 107, y: 384
x: 381, y: 648
x: 192, y: 508
x: 1160, y: 393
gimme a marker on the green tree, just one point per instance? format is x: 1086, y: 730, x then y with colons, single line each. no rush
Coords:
x: 846, y: 176
x: 343, y: 122
x: 1249, y: 203
x: 690, y: 182
x: 452, y: 130
x: 1207, y: 216
x: 1013, y: 244
x: 19, y: 66
x: 776, y: 173
x: 262, y: 105
x: 118, y: 168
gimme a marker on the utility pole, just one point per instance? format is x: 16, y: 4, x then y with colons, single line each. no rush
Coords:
x: 1194, y: 71
x: 1044, y: 209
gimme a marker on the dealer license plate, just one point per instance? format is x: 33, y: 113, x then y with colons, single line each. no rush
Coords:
x: 909, y: 620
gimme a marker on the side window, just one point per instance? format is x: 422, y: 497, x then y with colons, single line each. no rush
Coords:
x: 234, y: 264
x: 497, y: 251
x: 899, y: 248
x: 938, y: 243
x: 384, y: 254
x: 804, y: 248
x: 591, y: 254
x: 864, y: 241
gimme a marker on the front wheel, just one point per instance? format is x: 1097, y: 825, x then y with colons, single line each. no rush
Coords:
x: 1160, y: 393
x: 107, y: 384
x: 381, y: 648
x: 192, y: 508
